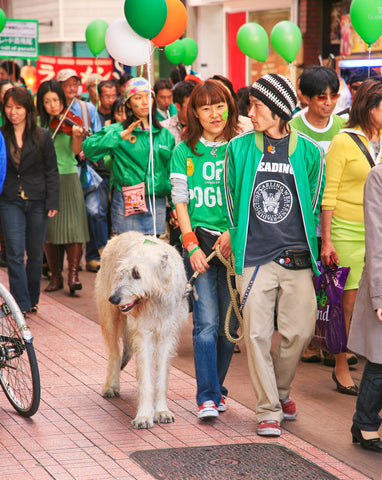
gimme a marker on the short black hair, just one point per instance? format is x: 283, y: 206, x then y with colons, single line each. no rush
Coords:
x: 108, y: 84
x: 177, y: 73
x: 243, y: 101
x: 182, y: 90
x: 11, y: 66
x: 360, y: 74
x: 227, y: 82
x: 161, y: 84
x: 124, y: 78
x: 315, y: 80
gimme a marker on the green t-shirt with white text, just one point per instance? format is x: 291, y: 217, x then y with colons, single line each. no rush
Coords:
x: 204, y: 175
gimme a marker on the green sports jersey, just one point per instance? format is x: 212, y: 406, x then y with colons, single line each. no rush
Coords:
x: 204, y: 176
x: 323, y: 136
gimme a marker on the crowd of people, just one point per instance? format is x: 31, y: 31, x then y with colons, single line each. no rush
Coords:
x: 272, y: 175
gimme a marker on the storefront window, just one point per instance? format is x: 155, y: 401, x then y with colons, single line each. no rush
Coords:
x: 275, y: 63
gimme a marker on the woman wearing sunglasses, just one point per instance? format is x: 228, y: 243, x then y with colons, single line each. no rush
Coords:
x: 343, y: 231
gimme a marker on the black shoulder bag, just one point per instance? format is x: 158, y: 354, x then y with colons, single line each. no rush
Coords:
x: 362, y: 146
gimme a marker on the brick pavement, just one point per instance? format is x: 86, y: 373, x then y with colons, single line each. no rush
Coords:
x: 77, y: 434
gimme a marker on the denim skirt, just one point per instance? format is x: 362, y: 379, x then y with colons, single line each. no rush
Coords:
x: 138, y: 222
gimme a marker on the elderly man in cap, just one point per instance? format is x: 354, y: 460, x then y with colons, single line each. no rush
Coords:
x: 274, y: 180
x: 70, y: 83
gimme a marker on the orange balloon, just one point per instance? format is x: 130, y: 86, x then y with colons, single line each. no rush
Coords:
x: 175, y: 25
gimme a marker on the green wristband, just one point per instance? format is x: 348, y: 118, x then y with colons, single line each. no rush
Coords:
x: 193, y: 250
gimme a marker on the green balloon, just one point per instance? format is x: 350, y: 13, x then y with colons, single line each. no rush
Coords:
x: 175, y: 52
x: 3, y: 19
x: 146, y: 17
x: 286, y: 39
x: 190, y: 50
x: 95, y: 36
x: 252, y: 39
x: 366, y: 19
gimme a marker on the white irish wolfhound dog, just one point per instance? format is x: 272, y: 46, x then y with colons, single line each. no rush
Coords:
x: 140, y: 296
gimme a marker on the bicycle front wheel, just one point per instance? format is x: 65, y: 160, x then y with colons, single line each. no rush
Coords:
x: 19, y: 374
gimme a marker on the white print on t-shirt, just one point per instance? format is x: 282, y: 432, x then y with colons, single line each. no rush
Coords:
x: 272, y: 201
x: 211, y: 170
x: 209, y: 195
x: 275, y: 167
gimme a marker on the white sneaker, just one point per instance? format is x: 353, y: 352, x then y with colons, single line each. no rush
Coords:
x: 222, y: 407
x: 208, y: 409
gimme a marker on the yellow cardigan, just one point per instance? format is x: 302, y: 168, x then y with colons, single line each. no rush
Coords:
x: 346, y: 172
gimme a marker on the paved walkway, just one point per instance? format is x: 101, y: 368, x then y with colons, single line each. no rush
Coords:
x: 77, y: 434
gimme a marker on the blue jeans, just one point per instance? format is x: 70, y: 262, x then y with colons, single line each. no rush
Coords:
x: 369, y: 399
x: 24, y: 224
x: 212, y: 350
x: 139, y: 222
x: 97, y: 208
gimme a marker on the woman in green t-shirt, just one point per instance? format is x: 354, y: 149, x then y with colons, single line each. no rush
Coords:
x: 69, y: 227
x: 197, y: 179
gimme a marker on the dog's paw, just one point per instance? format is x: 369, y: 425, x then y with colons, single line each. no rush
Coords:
x: 109, y: 392
x: 142, y: 422
x: 164, y: 416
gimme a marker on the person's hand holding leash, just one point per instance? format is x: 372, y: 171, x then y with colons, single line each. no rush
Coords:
x: 224, y: 242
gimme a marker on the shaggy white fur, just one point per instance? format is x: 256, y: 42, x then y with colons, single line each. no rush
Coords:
x: 140, y: 296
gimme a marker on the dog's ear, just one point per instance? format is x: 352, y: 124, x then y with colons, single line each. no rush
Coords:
x: 164, y: 260
x: 164, y: 270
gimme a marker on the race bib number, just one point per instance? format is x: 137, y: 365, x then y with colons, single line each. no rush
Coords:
x: 134, y: 198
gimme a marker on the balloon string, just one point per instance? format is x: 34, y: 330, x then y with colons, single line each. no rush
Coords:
x: 287, y: 71
x: 368, y: 70
x: 96, y: 89
x: 151, y: 157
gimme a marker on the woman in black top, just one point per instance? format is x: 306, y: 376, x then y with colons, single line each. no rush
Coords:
x: 30, y: 195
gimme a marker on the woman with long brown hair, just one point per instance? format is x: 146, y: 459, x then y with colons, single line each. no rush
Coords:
x: 197, y: 179
x: 343, y: 231
x: 30, y: 195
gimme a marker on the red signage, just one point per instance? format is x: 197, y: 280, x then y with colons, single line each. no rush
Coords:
x: 47, y: 67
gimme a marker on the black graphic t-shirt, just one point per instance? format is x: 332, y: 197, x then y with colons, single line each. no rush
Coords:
x: 275, y: 220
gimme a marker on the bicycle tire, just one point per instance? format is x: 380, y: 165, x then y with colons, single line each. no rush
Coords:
x: 19, y: 373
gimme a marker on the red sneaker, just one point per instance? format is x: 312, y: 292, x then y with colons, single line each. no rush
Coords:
x: 289, y: 408
x: 208, y: 409
x: 269, y: 428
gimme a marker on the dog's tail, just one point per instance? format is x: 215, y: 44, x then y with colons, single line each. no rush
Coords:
x: 127, y: 351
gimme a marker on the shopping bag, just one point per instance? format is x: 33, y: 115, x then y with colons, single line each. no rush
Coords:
x: 90, y: 179
x: 330, y: 333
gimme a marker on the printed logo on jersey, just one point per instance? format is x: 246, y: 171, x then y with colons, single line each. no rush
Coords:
x: 190, y: 167
x: 272, y: 201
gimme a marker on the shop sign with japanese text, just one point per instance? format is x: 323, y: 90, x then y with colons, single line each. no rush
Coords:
x: 19, y: 39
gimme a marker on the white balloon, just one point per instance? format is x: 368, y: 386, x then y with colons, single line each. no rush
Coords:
x: 126, y: 46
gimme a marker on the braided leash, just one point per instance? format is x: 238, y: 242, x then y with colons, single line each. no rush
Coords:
x: 229, y: 264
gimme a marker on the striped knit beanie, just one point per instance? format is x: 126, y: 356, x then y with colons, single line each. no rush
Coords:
x: 277, y: 93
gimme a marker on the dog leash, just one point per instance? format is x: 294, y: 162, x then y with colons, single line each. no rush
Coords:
x: 229, y: 264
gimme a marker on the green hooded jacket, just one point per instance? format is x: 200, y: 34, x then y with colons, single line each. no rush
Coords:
x: 243, y: 156
x: 130, y: 158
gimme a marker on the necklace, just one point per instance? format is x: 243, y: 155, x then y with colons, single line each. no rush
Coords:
x: 272, y: 148
x: 214, y: 145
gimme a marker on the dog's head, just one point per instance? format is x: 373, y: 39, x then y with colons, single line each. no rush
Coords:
x: 143, y: 275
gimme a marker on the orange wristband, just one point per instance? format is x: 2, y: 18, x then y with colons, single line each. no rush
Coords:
x: 189, y: 238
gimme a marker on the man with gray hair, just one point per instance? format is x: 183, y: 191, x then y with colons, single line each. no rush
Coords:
x: 274, y: 180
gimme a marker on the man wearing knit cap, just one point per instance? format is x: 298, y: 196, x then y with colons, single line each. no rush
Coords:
x: 274, y: 180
